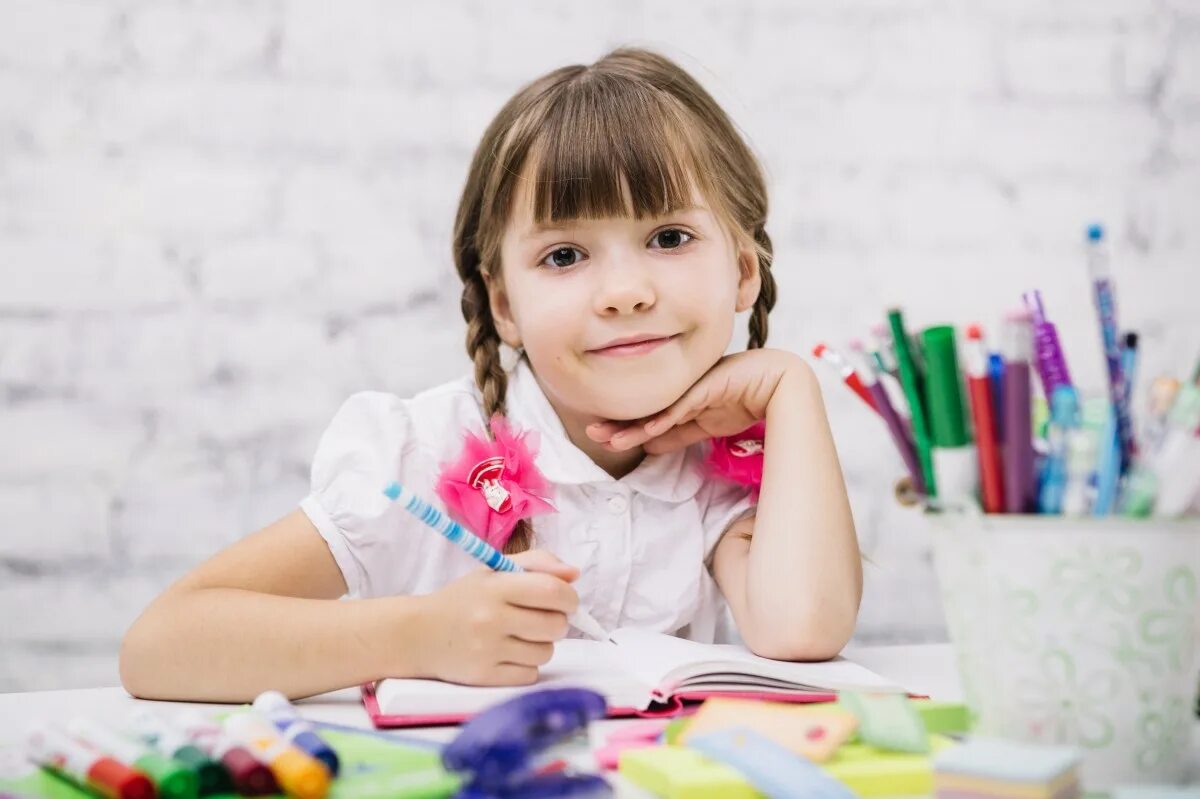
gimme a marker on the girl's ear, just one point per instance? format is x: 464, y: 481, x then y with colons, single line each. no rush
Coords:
x: 750, y: 280
x: 502, y: 316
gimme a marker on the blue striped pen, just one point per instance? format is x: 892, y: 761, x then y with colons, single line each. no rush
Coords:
x: 479, y: 549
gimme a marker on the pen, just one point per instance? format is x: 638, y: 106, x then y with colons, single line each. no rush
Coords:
x: 1106, y: 310
x: 845, y: 371
x: 1051, y: 365
x: 983, y: 409
x: 478, y: 549
x: 911, y: 382
x: 872, y: 379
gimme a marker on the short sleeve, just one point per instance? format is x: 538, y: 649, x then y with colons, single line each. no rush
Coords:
x: 357, y: 456
x: 721, y: 504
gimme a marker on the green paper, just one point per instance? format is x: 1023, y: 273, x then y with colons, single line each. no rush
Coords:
x: 887, y: 721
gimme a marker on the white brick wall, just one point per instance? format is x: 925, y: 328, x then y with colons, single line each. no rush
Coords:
x: 218, y: 219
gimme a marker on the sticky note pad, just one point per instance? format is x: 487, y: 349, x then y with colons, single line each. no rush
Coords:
x: 887, y: 721
x: 770, y: 767
x: 943, y: 717
x: 1007, y: 760
x: 674, y: 772
x: 813, y: 733
x: 869, y: 771
x: 1157, y: 792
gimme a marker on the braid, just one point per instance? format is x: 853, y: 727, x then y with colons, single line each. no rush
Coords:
x: 766, y: 292
x: 483, y: 345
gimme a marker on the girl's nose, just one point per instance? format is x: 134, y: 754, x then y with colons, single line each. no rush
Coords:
x: 625, y: 290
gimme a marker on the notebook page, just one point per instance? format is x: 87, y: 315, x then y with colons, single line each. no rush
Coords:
x: 577, y: 663
x: 665, y: 661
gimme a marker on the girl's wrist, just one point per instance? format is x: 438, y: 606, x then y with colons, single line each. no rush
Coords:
x: 389, y: 634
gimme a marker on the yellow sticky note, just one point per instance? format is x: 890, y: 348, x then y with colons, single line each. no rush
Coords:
x: 813, y: 732
x: 674, y: 772
x: 875, y: 772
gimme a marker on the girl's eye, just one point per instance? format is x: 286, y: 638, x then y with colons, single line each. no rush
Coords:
x: 563, y: 257
x: 670, y: 238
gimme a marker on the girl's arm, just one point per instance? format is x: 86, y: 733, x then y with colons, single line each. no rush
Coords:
x: 260, y: 614
x: 793, y: 574
x: 265, y: 614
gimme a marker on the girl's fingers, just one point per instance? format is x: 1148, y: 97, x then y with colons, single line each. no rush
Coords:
x: 510, y: 674
x: 677, y: 438
x: 603, y: 431
x: 525, y: 653
x: 537, y: 626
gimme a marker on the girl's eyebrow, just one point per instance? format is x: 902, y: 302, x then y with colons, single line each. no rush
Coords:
x: 557, y: 227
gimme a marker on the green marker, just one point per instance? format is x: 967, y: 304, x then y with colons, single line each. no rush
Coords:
x: 172, y: 742
x: 955, y: 464
x: 912, y: 391
x: 172, y: 779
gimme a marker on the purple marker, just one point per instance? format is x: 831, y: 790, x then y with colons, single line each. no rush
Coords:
x: 1051, y: 366
x: 1020, y: 481
x: 869, y: 374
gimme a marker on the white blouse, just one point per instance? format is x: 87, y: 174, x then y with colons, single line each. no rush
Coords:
x: 640, y: 542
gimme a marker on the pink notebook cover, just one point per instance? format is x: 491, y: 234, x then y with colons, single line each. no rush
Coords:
x: 681, y: 704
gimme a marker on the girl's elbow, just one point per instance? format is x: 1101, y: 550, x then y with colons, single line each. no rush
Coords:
x: 801, y: 640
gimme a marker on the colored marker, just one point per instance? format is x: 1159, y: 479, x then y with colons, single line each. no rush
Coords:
x: 871, y: 379
x: 276, y: 707
x: 479, y: 549
x: 891, y: 383
x: 172, y: 742
x: 1162, y: 396
x: 911, y: 381
x: 85, y: 766
x: 1176, y: 461
x: 1064, y: 418
x: 1108, y: 470
x: 1129, y: 359
x: 297, y: 773
x: 845, y: 372
x: 172, y: 779
x: 987, y: 439
x: 1106, y: 309
x: 882, y: 351
x: 1051, y: 365
x: 995, y: 369
x: 954, y: 457
x: 250, y: 776
x: 1020, y: 480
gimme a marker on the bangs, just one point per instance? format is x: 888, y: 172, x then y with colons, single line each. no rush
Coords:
x: 604, y: 147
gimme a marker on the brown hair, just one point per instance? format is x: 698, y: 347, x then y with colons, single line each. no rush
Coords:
x: 631, y: 134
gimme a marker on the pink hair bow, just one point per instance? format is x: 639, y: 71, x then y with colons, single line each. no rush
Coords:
x: 739, y: 458
x: 495, y: 484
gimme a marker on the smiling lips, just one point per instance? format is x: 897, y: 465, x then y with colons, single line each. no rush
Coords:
x: 631, y: 345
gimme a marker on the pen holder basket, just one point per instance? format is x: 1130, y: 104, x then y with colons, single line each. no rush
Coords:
x: 1079, y: 631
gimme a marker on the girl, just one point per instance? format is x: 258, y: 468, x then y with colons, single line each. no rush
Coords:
x: 611, y: 227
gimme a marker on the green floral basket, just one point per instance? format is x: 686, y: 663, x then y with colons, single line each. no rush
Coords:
x: 1080, y: 631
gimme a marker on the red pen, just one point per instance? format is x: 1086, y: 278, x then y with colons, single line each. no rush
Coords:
x: 846, y: 372
x: 984, y: 414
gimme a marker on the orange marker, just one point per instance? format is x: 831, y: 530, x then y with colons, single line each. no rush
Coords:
x: 297, y: 773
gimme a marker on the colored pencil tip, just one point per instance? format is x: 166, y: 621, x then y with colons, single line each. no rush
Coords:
x: 974, y: 331
x: 1095, y: 231
x: 1131, y: 341
x: 819, y: 350
x: 856, y: 345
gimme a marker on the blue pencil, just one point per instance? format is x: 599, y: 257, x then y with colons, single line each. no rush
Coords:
x: 477, y: 548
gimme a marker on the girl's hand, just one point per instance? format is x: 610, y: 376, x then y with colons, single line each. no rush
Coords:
x: 730, y: 397
x: 496, y: 628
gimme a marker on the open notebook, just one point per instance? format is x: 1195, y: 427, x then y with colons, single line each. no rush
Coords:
x: 641, y: 673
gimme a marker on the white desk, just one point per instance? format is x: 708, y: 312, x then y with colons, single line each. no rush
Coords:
x: 923, y: 669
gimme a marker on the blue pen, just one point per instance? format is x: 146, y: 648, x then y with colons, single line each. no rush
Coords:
x: 995, y: 369
x: 477, y: 548
x: 1106, y: 310
x: 1064, y: 417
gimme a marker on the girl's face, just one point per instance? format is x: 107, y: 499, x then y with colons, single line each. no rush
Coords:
x: 620, y: 316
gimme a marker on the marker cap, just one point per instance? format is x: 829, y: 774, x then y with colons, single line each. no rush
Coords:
x: 943, y: 388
